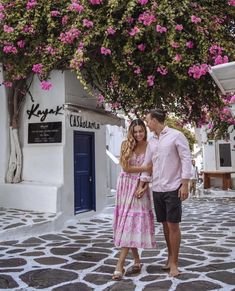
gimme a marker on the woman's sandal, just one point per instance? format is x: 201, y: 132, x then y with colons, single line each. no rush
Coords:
x: 136, y: 268
x: 117, y: 275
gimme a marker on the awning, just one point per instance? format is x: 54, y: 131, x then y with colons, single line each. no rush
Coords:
x: 94, y: 114
x: 224, y: 77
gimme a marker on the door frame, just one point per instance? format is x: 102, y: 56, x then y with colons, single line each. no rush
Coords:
x: 92, y: 160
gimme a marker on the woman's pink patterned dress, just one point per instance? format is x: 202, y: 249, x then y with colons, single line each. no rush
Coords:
x: 133, y: 217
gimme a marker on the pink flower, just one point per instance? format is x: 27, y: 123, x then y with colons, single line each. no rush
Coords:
x: 134, y: 31
x: 179, y: 27
x: 45, y: 85
x: 146, y: 18
x: 210, y: 125
x: 80, y: 46
x: 130, y: 20
x: 50, y: 50
x: 37, y: 68
x: 195, y: 19
x: 69, y: 36
x: 143, y: 2
x: 7, y: 28
x: 2, y: 8
x: 189, y: 44
x: 115, y: 105
x: 100, y: 99
x: 232, y: 99
x: 174, y: 44
x: 87, y: 23
x: 110, y: 31
x: 2, y: 16
x: 137, y: 70
x: 231, y: 2
x: 95, y: 2
x: 55, y: 13
x: 178, y: 58
x: 64, y: 20
x: 141, y: 47
x: 74, y: 6
x: 105, y: 51
x: 197, y: 71
x: 21, y: 43
x: 10, y: 49
x: 28, y: 29
x: 150, y: 80
x: 31, y: 4
x: 225, y: 110
x: 220, y: 60
x: 162, y: 70
x: 161, y: 29
x: 7, y: 84
x: 216, y: 49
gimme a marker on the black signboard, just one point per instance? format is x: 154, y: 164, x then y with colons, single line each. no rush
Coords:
x: 46, y: 132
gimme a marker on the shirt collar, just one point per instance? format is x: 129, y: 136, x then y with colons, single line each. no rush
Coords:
x: 164, y: 131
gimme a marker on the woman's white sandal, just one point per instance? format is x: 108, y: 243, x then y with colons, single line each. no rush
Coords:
x: 117, y: 275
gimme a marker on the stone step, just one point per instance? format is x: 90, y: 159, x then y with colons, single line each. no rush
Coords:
x: 15, y: 223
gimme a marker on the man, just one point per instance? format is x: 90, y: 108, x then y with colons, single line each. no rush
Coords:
x: 194, y: 178
x: 169, y: 152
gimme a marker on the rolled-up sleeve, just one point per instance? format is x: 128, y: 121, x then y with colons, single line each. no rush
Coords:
x: 145, y: 176
x: 185, y: 155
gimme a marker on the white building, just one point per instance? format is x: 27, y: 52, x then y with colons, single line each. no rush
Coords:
x: 219, y: 155
x: 63, y: 139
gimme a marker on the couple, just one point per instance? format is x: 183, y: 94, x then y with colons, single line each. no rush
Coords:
x: 167, y: 156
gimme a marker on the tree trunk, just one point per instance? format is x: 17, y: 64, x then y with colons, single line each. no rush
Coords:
x: 15, y: 98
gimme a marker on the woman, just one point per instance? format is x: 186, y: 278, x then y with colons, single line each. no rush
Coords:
x: 133, y: 216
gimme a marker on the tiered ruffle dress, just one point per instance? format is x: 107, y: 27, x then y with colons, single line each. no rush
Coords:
x: 133, y: 217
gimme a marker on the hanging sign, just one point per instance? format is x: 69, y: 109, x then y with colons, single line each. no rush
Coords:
x: 43, y: 113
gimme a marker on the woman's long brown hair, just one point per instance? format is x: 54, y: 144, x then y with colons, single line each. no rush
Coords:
x: 129, y: 145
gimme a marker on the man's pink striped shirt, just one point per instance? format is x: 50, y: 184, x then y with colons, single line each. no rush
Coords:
x: 171, y: 158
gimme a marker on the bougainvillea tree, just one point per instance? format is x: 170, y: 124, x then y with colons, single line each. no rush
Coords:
x: 134, y: 54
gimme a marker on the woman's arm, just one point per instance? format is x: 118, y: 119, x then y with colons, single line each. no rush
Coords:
x: 138, y: 169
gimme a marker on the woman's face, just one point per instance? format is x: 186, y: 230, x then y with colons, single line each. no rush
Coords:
x: 138, y: 133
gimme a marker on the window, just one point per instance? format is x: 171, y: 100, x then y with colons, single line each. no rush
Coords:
x: 225, y: 155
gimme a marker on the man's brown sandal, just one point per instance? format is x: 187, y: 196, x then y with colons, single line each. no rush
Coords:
x: 136, y: 268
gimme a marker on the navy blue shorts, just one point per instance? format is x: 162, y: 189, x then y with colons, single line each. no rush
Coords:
x: 168, y: 206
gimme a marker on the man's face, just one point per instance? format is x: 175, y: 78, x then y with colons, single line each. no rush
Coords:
x: 150, y: 122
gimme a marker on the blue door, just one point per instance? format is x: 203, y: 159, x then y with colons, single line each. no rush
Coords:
x: 84, y: 171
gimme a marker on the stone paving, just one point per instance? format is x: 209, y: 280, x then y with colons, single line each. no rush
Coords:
x: 82, y: 256
x: 12, y: 218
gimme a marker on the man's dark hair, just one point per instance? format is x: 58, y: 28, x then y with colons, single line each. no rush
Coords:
x: 158, y: 114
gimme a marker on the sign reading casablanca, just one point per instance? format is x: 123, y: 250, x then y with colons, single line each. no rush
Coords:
x: 78, y: 121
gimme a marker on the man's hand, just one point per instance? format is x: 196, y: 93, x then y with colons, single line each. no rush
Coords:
x: 183, y: 192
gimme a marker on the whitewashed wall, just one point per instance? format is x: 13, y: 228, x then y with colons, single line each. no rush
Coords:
x: 48, y: 169
x: 43, y: 162
x: 4, y: 130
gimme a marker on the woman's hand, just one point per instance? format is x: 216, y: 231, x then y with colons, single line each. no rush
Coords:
x: 140, y: 191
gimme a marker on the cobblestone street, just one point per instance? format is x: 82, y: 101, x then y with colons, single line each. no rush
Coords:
x: 82, y: 256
